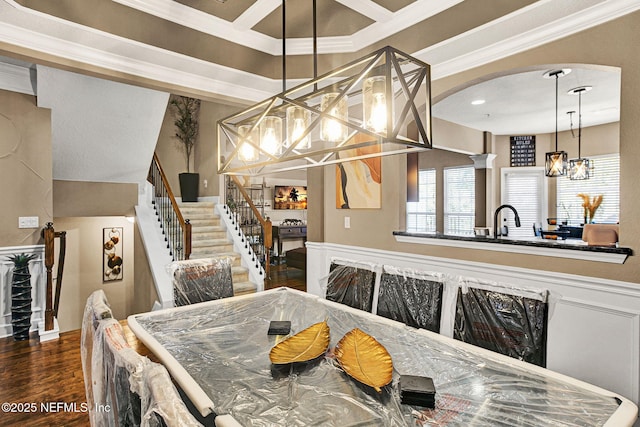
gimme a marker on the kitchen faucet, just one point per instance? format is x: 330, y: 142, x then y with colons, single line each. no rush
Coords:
x: 495, y: 219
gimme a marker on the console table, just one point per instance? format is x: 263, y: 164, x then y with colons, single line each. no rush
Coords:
x: 288, y: 232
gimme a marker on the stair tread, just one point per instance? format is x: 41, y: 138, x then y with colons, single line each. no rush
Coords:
x: 244, y: 288
x: 209, y: 242
x: 199, y: 204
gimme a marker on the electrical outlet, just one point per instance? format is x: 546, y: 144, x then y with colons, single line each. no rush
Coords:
x: 347, y: 222
x: 28, y: 222
x: 205, y: 182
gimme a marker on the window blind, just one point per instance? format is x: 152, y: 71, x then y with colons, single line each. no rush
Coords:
x: 523, y: 189
x: 459, y: 200
x: 421, y: 215
x: 605, y: 180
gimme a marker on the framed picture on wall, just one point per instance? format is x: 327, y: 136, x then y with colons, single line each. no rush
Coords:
x: 359, y: 182
x: 112, y: 254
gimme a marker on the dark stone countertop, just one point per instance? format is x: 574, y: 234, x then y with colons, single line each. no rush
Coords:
x: 570, y: 244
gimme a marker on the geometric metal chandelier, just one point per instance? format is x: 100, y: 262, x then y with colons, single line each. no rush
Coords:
x: 367, y: 108
x: 556, y: 161
x: 579, y: 168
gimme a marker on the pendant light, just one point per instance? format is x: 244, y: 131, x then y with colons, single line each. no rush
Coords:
x: 318, y: 122
x: 556, y: 161
x: 579, y: 168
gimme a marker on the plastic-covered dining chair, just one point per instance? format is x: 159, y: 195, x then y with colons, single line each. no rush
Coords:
x: 161, y: 403
x: 201, y: 280
x: 411, y: 296
x: 504, y: 319
x: 96, y: 309
x: 351, y: 283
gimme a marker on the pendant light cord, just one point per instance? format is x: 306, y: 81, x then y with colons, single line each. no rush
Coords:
x: 315, y: 46
x: 557, y: 76
x: 579, y: 123
x: 284, y: 47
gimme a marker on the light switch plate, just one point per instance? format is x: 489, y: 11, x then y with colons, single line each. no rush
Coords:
x: 347, y: 222
x: 28, y: 222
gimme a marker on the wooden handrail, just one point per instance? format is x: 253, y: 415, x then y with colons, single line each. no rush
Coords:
x: 267, y: 231
x: 62, y: 235
x: 266, y: 223
x: 49, y: 247
x: 184, y: 224
x: 52, y: 303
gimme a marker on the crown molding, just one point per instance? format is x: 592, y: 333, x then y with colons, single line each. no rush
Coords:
x: 530, y: 27
x: 53, y: 36
x: 15, y: 78
x: 369, y: 8
x: 208, y: 24
x: 255, y: 13
x: 239, y: 31
x: 511, y: 34
x: 410, y: 15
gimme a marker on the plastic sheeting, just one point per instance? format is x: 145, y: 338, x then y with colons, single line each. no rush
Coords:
x: 224, y: 347
x: 95, y: 309
x: 351, y: 283
x: 412, y: 297
x: 123, y: 387
x: 504, y: 320
x: 201, y: 280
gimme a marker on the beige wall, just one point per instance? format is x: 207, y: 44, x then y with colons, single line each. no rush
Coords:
x: 83, y: 271
x: 25, y: 167
x: 144, y: 291
x: 456, y: 138
x: 79, y: 198
x: 609, y: 44
x: 204, y: 157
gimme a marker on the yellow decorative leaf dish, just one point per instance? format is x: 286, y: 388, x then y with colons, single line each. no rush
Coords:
x: 304, y: 346
x: 365, y: 359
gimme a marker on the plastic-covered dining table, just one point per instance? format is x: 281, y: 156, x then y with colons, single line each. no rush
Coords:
x: 218, y: 352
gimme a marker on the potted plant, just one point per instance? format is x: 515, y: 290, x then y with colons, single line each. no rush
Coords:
x: 21, y: 296
x: 186, y: 112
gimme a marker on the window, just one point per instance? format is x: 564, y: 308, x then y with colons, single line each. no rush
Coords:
x: 459, y: 200
x: 421, y: 215
x: 605, y: 180
x: 525, y: 189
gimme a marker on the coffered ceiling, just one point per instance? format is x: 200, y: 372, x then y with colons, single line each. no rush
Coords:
x: 231, y: 49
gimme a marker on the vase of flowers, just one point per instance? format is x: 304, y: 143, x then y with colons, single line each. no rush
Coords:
x: 590, y: 206
x: 21, y: 296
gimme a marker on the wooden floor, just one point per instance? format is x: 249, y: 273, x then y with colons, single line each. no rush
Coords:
x: 35, y: 376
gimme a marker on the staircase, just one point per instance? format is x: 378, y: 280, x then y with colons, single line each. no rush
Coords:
x: 209, y: 238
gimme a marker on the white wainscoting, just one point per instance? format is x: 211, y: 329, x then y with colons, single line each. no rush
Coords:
x: 38, y: 283
x: 594, y: 324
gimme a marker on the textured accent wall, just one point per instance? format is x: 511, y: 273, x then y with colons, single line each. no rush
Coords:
x: 25, y: 167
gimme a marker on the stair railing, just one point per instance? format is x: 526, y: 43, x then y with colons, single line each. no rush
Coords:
x: 254, y: 230
x: 176, y: 229
x: 53, y: 302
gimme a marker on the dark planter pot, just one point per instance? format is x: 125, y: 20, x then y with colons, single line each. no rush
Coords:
x: 189, y: 186
x: 21, y: 303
